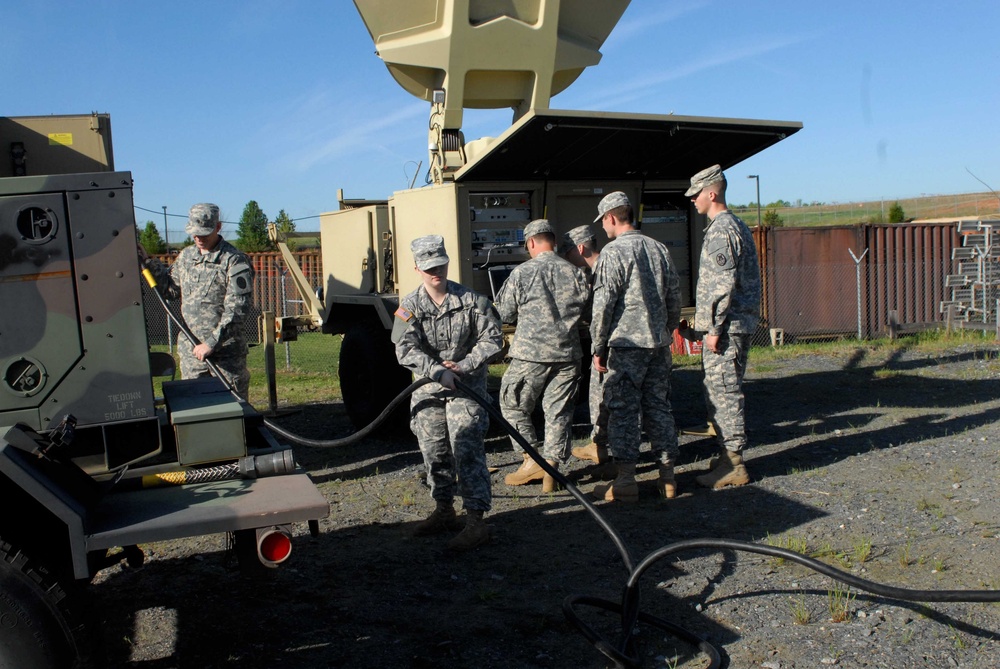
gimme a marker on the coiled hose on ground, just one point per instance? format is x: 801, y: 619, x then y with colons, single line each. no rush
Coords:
x: 628, y: 609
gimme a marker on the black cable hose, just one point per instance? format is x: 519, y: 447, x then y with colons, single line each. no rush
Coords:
x: 628, y: 609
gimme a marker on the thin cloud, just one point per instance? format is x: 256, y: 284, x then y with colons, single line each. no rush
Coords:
x: 310, y: 132
x: 628, y: 29
x: 713, y: 60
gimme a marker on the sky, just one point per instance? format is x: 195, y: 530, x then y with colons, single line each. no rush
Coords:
x: 285, y: 101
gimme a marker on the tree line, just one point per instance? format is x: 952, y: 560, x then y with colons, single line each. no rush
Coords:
x: 251, y: 232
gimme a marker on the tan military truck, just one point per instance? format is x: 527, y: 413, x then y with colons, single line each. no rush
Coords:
x: 549, y: 163
x: 88, y: 455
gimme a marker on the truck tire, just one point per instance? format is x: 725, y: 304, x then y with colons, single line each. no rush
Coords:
x: 370, y: 376
x: 43, y: 624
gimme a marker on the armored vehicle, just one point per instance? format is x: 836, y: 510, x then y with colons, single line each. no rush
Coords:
x: 458, y: 54
x: 85, y: 446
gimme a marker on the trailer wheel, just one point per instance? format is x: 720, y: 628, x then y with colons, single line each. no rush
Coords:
x: 370, y: 376
x: 43, y: 624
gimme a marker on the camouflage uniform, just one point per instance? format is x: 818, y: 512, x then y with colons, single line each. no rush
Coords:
x: 728, y: 304
x: 545, y: 297
x: 637, y: 305
x: 449, y: 426
x: 595, y: 385
x: 215, y: 290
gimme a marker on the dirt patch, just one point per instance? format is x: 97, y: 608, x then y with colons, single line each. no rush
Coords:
x: 883, y: 464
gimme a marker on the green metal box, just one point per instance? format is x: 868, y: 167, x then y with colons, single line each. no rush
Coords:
x: 207, y: 421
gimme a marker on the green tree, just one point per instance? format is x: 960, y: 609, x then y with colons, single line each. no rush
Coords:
x: 251, y: 236
x: 896, y: 213
x: 285, y: 225
x: 151, y: 240
x: 772, y: 219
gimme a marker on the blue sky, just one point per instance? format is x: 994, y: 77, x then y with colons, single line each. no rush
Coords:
x: 284, y: 102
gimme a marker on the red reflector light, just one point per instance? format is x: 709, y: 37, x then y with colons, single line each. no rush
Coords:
x: 274, y: 547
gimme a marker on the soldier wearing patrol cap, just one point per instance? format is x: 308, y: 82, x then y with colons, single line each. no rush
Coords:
x: 579, y: 246
x: 214, y: 282
x: 545, y: 298
x: 727, y: 307
x: 443, y: 331
x: 637, y: 305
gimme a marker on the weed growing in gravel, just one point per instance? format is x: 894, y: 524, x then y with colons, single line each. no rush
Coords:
x: 905, y: 558
x: 487, y: 594
x: 937, y: 566
x: 800, y: 613
x: 906, y: 636
x: 840, y: 599
x: 884, y: 373
x: 861, y: 550
x: 797, y: 544
x: 407, y: 499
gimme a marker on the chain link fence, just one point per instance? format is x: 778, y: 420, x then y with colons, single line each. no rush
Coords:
x: 863, y: 294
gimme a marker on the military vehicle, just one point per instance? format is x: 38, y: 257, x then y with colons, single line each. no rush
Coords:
x: 84, y: 444
x: 458, y: 54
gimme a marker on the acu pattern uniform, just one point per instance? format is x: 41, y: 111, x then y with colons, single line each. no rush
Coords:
x: 637, y: 304
x: 545, y: 297
x: 215, y: 290
x: 449, y: 426
x: 728, y: 304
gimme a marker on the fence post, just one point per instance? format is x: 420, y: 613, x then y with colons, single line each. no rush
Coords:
x: 857, y: 280
x: 269, y: 371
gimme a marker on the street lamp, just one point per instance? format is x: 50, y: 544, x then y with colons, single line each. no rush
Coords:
x: 756, y: 178
x: 166, y: 234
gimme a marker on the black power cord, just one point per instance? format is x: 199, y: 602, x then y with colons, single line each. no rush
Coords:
x: 628, y: 609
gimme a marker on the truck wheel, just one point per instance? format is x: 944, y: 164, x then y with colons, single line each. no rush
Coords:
x: 370, y: 376
x: 43, y: 625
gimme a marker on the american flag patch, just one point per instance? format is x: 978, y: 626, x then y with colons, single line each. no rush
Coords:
x: 403, y: 315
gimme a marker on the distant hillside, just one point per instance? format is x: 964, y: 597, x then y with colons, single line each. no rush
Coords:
x: 983, y: 205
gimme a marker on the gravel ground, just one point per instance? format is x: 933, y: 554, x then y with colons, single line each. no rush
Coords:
x: 882, y: 463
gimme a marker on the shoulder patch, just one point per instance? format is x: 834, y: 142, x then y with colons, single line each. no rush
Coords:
x: 403, y: 314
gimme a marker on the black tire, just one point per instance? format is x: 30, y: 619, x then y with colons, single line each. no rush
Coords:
x: 44, y: 624
x: 370, y: 377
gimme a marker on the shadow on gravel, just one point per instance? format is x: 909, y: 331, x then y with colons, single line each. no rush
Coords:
x: 373, y: 595
x: 831, y: 413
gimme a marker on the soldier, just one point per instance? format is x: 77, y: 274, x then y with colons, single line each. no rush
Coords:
x: 637, y: 305
x: 579, y: 246
x: 727, y: 308
x: 444, y: 331
x: 214, y: 282
x: 545, y: 297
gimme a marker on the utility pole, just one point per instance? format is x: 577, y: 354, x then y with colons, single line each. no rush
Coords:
x: 756, y: 178
x: 166, y: 235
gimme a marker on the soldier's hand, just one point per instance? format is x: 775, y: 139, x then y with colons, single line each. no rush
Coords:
x: 600, y: 364
x: 447, y: 379
x: 202, y: 351
x: 712, y: 343
x: 452, y: 366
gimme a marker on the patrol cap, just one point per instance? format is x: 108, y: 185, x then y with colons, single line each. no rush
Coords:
x: 537, y: 227
x: 428, y: 252
x: 707, y: 176
x: 202, y: 219
x: 581, y: 234
x: 609, y: 202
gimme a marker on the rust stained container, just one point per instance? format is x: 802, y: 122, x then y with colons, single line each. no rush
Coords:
x: 810, y: 279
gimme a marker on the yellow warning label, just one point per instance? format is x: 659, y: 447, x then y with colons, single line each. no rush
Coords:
x: 60, y: 139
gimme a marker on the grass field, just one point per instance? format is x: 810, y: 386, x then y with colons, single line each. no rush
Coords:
x: 312, y: 375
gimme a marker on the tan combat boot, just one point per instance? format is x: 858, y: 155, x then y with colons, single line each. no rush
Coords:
x: 527, y: 472
x: 623, y: 489
x: 666, y: 485
x: 729, y: 472
x: 592, y: 452
x: 442, y: 519
x: 476, y: 533
x: 549, y: 482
